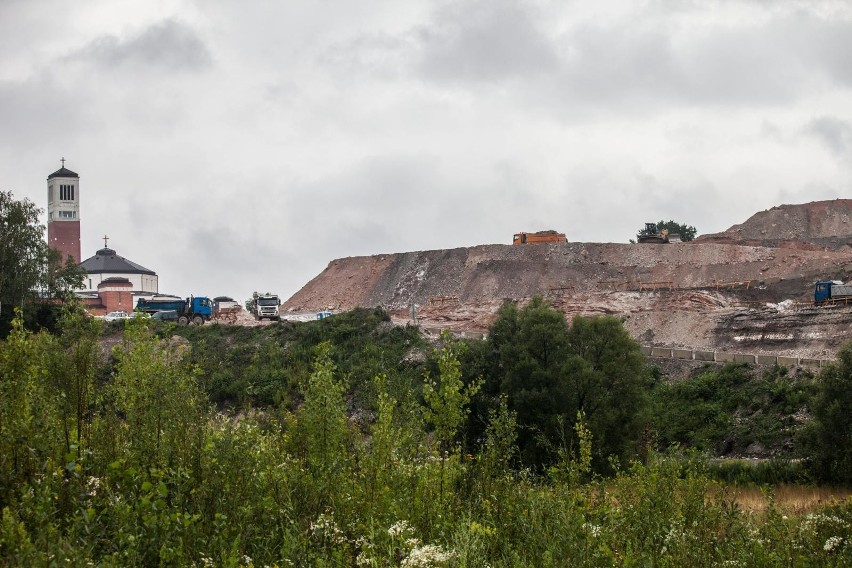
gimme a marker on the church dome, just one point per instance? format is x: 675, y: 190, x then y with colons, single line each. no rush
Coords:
x: 107, y: 261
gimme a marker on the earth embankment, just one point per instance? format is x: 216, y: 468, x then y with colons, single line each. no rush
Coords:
x: 698, y: 295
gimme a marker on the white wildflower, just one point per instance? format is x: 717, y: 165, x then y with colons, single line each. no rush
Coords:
x: 412, y: 542
x: 593, y: 530
x: 832, y: 543
x: 92, y: 485
x: 325, y: 527
x: 400, y: 528
x: 675, y: 534
x: 426, y: 556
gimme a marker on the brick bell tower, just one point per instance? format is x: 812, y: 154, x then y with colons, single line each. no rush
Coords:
x: 63, y: 213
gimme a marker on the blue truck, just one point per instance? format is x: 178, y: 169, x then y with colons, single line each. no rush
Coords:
x: 195, y: 309
x: 832, y: 291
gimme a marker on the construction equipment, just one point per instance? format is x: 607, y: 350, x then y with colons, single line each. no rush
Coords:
x: 832, y: 292
x: 650, y: 234
x: 265, y: 306
x: 195, y: 309
x: 539, y: 237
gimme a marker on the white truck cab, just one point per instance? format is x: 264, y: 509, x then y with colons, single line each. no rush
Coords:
x: 266, y: 306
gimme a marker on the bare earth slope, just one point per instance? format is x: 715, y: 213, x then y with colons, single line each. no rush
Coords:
x: 713, y: 293
x: 819, y: 223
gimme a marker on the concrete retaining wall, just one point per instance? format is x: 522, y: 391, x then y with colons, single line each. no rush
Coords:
x: 727, y: 357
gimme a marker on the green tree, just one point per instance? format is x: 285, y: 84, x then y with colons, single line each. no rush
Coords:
x: 155, y: 391
x: 606, y: 372
x: 320, y: 440
x: 28, y: 267
x: 530, y: 349
x: 686, y: 232
x: 550, y: 372
x: 447, y: 398
x: 29, y: 430
x: 829, y: 438
x: 23, y: 250
x: 73, y: 369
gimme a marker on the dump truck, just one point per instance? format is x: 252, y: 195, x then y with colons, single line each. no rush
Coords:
x: 539, y: 237
x: 651, y: 234
x: 832, y: 291
x: 195, y: 309
x: 265, y: 306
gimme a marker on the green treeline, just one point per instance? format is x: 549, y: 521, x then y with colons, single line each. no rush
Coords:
x: 352, y: 442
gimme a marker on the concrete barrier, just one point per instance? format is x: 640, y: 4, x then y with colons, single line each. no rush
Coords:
x: 725, y: 357
x: 767, y: 359
x: 705, y: 355
x: 681, y: 354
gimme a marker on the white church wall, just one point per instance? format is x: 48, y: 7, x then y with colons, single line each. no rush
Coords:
x: 141, y: 282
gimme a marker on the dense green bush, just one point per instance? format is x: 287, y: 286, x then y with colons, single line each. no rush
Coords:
x: 725, y: 410
x: 142, y: 470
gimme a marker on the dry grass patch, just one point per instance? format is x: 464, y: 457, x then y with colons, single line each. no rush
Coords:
x: 789, y: 498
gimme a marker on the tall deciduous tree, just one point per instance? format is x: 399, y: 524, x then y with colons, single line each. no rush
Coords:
x: 28, y: 267
x: 550, y: 372
x: 23, y: 250
x: 829, y: 437
x: 606, y: 372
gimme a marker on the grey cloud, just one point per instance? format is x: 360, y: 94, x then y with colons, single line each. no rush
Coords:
x: 399, y: 202
x: 485, y: 41
x: 617, y: 63
x: 644, y: 60
x: 380, y: 54
x: 40, y: 110
x: 169, y: 44
x: 834, y: 133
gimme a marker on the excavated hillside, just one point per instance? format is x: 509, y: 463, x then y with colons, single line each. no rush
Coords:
x: 748, y: 289
x: 815, y: 225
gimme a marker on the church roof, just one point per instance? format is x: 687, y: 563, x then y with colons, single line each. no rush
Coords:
x: 63, y: 172
x: 107, y: 261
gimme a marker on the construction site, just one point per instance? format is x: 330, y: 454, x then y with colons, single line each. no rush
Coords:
x: 747, y: 290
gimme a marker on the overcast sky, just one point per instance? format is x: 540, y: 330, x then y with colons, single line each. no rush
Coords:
x: 235, y: 145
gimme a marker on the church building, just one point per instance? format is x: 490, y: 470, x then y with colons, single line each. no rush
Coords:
x: 112, y: 282
x: 107, y: 264
x: 63, y: 213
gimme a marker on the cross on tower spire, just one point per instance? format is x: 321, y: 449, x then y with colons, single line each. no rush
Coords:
x: 106, y: 238
x: 63, y: 161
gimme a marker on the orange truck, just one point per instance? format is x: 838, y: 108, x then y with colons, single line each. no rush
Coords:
x: 539, y: 237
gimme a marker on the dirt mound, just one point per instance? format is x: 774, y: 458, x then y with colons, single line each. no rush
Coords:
x: 676, y: 295
x: 464, y: 276
x: 815, y: 225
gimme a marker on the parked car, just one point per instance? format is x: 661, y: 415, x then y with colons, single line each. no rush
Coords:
x: 165, y: 315
x: 112, y: 316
